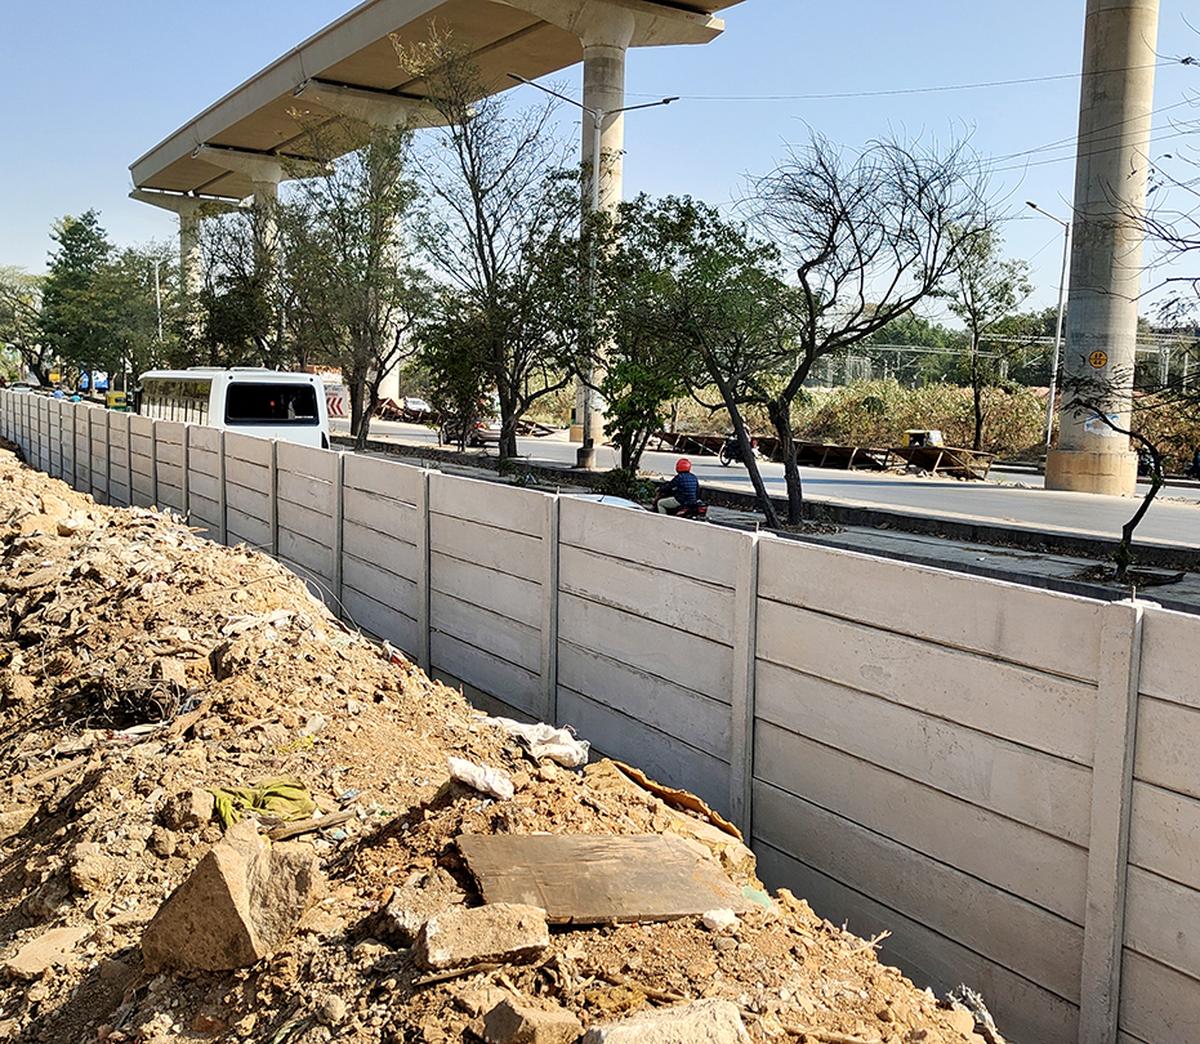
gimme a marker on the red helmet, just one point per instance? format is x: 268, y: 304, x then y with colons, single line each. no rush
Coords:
x: 683, y: 464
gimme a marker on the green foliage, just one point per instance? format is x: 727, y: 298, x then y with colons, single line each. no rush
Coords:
x: 20, y: 326
x: 77, y: 320
x: 627, y: 483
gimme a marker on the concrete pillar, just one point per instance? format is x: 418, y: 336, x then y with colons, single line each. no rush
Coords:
x: 1117, y: 97
x: 606, y: 39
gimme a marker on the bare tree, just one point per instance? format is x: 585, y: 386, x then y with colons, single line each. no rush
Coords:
x: 502, y: 228
x: 872, y: 233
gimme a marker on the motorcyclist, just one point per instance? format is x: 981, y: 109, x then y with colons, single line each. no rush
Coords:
x: 682, y: 492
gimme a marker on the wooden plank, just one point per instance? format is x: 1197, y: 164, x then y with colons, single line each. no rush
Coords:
x: 498, y: 549
x: 394, y: 556
x: 390, y: 517
x: 661, y: 755
x: 510, y: 596
x: 1168, y: 738
x: 1019, y: 859
x: 690, y: 549
x: 694, y: 606
x: 1033, y: 788
x: 1162, y: 833
x: 382, y: 477
x: 1038, y: 710
x: 1025, y: 939
x: 648, y: 646
x: 383, y: 621
x: 1024, y: 1010
x: 587, y: 879
x: 1015, y: 623
x: 502, y: 507
x: 1158, y: 1004
x: 1169, y: 644
x: 500, y: 636
x: 306, y: 461
x: 1162, y: 921
x: 506, y: 681
x: 664, y: 705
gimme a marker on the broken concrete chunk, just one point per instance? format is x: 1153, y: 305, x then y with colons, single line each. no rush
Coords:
x: 189, y: 810
x: 240, y: 904
x: 415, y: 901
x: 500, y: 932
x: 14, y: 820
x: 719, y: 920
x: 510, y: 1022
x: 170, y: 670
x: 701, y: 1022
x: 49, y: 949
x: 91, y: 870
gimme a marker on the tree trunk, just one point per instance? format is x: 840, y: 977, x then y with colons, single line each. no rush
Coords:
x: 362, y: 432
x: 781, y: 421
x: 1123, y: 556
x: 976, y: 395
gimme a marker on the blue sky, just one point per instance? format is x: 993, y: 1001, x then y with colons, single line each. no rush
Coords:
x: 91, y: 86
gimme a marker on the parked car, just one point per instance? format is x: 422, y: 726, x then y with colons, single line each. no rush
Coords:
x: 416, y: 410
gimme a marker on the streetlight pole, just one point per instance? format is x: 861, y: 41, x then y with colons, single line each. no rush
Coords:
x: 1062, y: 304
x: 586, y: 456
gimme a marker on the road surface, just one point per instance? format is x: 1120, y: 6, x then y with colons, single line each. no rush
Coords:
x: 1014, y: 499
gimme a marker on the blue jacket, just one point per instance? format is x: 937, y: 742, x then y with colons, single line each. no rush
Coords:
x: 684, y: 487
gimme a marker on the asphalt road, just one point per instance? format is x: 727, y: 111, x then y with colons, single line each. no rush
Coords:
x: 1173, y: 519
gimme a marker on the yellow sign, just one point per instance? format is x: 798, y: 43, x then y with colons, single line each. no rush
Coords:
x: 1098, y: 360
x: 54, y: 376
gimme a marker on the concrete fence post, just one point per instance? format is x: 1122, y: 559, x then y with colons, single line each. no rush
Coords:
x: 91, y: 470
x: 74, y: 448
x: 154, y: 463
x: 424, y: 577
x: 741, y: 731
x: 1112, y: 795
x: 185, y: 492
x: 128, y: 460
x: 550, y: 594
x: 339, y: 534
x: 108, y: 497
x: 273, y: 494
x: 222, y: 499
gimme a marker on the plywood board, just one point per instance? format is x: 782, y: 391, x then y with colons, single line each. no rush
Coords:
x: 586, y: 879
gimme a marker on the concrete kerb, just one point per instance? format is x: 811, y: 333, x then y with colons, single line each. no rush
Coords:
x: 846, y: 513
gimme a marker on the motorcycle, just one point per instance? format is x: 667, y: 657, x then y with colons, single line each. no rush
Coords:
x: 731, y: 451
x: 697, y: 512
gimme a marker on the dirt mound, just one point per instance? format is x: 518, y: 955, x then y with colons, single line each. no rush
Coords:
x: 143, y: 668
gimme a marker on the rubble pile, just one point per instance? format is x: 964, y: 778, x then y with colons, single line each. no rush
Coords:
x: 226, y: 816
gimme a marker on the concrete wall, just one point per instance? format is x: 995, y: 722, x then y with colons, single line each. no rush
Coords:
x: 1002, y: 777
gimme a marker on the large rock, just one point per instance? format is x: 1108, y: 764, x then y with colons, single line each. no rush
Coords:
x: 189, y: 810
x: 510, y: 1022
x: 240, y: 904
x: 701, y: 1022
x: 498, y: 932
x: 91, y: 869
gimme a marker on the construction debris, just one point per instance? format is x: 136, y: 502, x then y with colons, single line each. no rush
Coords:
x: 143, y: 667
x: 493, y: 782
x: 546, y: 743
x: 591, y: 879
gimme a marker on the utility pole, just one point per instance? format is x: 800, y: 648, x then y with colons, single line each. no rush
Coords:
x: 1062, y: 305
x: 586, y: 456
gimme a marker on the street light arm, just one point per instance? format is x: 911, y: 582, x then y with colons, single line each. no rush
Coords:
x: 645, y: 105
x: 1046, y: 213
x: 561, y: 97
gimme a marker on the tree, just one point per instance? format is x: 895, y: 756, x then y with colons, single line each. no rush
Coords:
x: 356, y: 297
x: 985, y: 289
x: 452, y: 344
x: 125, y: 288
x: 502, y: 230
x: 715, y: 294
x: 872, y: 233
x: 77, y: 324
x: 20, y: 322
x: 243, y: 303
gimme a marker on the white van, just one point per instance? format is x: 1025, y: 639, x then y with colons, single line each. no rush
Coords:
x: 269, y: 403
